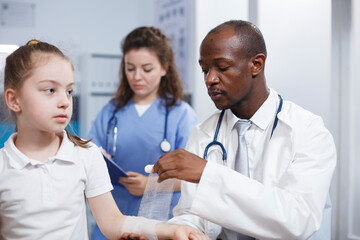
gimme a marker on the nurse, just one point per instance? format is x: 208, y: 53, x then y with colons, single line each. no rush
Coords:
x: 146, y: 118
x: 274, y: 181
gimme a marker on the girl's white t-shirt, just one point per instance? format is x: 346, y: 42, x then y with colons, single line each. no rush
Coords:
x: 46, y: 200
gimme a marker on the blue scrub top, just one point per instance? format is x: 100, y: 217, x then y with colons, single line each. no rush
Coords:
x: 138, y: 141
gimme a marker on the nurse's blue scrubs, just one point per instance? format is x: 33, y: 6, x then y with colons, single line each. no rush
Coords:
x: 138, y: 143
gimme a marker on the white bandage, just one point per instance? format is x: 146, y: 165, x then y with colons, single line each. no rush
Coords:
x: 140, y: 225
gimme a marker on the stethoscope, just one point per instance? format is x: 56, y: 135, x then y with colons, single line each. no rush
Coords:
x: 165, y: 145
x: 216, y: 142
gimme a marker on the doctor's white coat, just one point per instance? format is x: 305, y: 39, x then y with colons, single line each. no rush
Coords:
x: 287, y: 196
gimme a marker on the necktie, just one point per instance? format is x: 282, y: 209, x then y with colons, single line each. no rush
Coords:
x: 241, y: 160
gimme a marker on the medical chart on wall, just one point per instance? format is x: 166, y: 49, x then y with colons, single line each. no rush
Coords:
x: 18, y: 14
x: 173, y: 18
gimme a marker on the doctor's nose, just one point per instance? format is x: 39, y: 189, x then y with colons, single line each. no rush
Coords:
x: 211, y: 78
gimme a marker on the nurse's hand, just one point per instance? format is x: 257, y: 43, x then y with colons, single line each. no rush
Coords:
x: 180, y: 164
x: 135, y: 183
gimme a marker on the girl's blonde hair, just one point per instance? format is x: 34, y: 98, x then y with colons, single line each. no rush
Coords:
x: 19, y: 65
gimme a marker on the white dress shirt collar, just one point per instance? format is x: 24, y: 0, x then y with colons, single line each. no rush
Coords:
x: 19, y: 160
x: 263, y: 117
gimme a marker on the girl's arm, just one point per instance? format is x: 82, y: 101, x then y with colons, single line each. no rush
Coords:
x: 114, y: 225
x: 107, y: 215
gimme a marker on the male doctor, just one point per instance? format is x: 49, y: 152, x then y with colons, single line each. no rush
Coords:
x: 282, y: 190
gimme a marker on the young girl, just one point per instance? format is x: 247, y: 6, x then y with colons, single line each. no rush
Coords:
x: 45, y: 172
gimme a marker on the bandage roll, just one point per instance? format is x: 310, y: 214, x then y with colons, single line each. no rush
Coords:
x: 156, y: 200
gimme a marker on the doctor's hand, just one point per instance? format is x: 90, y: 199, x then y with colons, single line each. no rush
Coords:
x: 179, y: 232
x: 135, y: 183
x: 180, y: 164
x: 186, y: 232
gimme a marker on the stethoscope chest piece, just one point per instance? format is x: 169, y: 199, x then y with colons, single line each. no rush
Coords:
x: 165, y: 146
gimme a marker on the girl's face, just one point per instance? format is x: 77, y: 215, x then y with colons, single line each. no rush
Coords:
x: 143, y: 71
x: 45, y: 98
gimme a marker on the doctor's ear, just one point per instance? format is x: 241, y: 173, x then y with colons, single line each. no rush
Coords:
x: 11, y: 100
x: 257, y: 64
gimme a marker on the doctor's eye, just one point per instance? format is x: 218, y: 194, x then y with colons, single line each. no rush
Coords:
x: 205, y: 71
x: 223, y: 69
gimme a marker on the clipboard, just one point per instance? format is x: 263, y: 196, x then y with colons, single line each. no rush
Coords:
x: 115, y: 171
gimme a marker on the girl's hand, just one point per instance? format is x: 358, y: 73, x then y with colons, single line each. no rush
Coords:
x: 198, y: 236
x: 135, y: 183
x: 171, y: 231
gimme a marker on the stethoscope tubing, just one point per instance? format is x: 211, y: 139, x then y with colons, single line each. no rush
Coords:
x: 165, y: 145
x: 112, y: 119
x: 276, y: 116
x: 166, y: 121
x: 216, y: 142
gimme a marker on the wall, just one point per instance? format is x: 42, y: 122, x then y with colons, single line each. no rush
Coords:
x: 78, y: 28
x: 347, y: 25
x: 355, y: 126
x: 81, y: 26
x: 299, y: 51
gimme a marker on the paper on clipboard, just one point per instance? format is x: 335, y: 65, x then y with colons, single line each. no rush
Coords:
x: 115, y: 171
